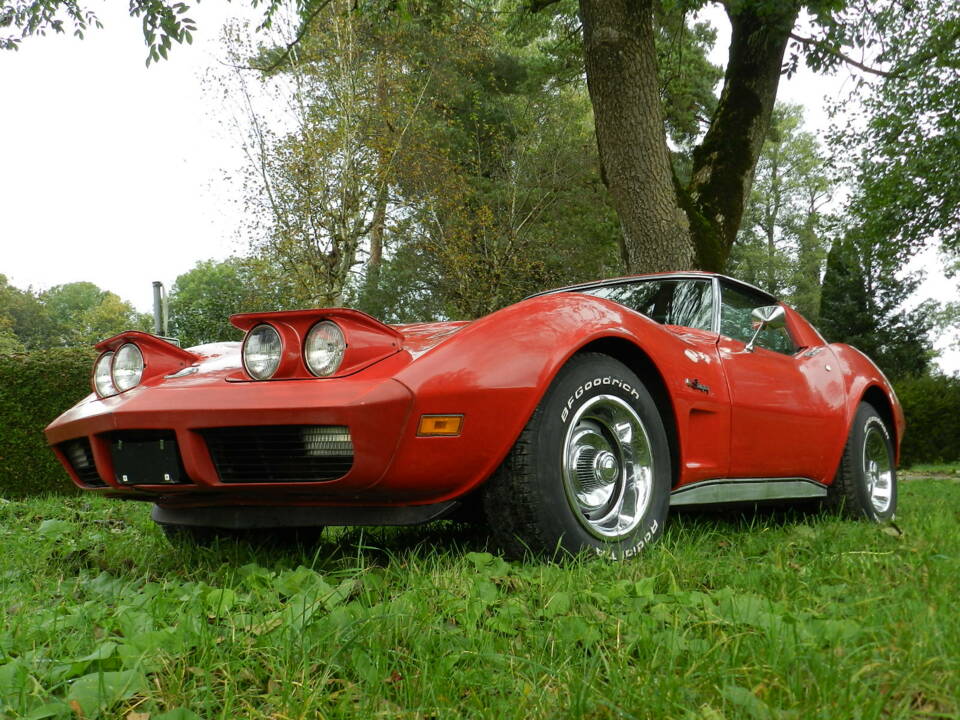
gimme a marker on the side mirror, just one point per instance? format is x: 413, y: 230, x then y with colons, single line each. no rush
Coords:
x: 772, y: 316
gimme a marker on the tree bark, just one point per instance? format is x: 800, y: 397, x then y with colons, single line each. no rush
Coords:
x: 621, y: 67
x: 666, y: 226
x: 724, y: 162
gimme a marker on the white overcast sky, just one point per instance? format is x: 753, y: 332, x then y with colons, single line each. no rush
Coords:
x: 115, y: 173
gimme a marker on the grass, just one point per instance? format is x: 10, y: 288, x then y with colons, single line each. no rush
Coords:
x: 763, y: 616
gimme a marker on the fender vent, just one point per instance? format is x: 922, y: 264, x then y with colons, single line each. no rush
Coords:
x: 80, y: 456
x: 280, y: 453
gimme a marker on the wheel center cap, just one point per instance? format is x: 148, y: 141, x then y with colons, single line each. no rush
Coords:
x: 605, y: 467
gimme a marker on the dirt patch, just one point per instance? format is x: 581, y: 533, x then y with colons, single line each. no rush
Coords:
x: 911, y: 475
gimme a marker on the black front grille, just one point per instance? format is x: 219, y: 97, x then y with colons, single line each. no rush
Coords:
x: 80, y: 456
x: 280, y: 453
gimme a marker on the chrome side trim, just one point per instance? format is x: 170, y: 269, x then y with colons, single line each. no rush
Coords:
x: 731, y: 490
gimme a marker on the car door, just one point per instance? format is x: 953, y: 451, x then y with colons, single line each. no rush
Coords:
x: 786, y: 401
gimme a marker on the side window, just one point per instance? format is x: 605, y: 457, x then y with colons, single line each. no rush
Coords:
x: 736, y: 321
x: 688, y: 303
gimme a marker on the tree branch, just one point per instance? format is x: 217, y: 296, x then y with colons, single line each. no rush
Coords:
x: 304, y: 26
x: 810, y: 42
x: 538, y: 5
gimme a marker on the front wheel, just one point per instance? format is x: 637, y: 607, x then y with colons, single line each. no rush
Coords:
x: 589, y: 472
x: 866, y: 483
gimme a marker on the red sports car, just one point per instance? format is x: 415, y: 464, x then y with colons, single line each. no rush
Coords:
x: 574, y: 418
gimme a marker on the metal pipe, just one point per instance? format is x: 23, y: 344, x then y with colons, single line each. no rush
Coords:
x: 158, y: 308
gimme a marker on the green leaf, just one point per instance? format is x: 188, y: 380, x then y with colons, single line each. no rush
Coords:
x: 479, y: 559
x: 296, y: 581
x: 644, y: 587
x: 100, y: 691
x: 177, y: 714
x: 576, y: 630
x: 14, y: 682
x: 558, y: 604
x: 99, y: 657
x: 56, y: 529
x: 50, y: 710
x: 220, y: 601
x: 747, y: 701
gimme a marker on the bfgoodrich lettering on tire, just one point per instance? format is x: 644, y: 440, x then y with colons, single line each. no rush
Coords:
x: 866, y: 483
x: 590, y: 471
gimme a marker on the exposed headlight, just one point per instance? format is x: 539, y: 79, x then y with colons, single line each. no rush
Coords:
x: 102, y: 381
x: 127, y: 367
x: 323, y: 350
x: 261, y: 352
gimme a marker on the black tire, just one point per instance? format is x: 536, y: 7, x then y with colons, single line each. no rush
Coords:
x: 179, y: 535
x: 865, y: 486
x: 539, y: 502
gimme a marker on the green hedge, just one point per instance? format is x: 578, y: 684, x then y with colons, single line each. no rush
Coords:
x: 931, y: 404
x: 35, y: 388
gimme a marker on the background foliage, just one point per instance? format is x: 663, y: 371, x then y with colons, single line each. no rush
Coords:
x: 35, y: 388
x: 930, y: 403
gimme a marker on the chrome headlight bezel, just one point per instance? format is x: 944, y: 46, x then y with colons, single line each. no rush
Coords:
x: 274, y: 362
x: 326, y: 340
x: 103, y: 375
x: 132, y: 374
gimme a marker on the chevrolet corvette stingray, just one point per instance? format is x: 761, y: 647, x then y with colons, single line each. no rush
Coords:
x: 573, y: 419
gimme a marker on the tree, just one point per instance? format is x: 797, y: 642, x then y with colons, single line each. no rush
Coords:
x: 500, y: 176
x: 203, y: 298
x: 319, y: 177
x: 24, y: 321
x: 440, y: 140
x: 83, y: 314
x: 862, y: 304
x: 904, y: 144
x: 68, y: 315
x: 666, y: 223
x: 782, y: 244
x: 9, y: 342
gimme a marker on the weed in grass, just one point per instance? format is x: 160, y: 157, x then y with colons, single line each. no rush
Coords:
x: 737, y: 615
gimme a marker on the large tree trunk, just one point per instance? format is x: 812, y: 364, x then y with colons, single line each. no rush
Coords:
x: 724, y: 162
x: 666, y: 226
x: 621, y: 65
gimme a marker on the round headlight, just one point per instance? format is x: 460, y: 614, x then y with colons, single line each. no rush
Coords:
x: 261, y: 352
x: 102, y: 382
x: 127, y: 367
x: 323, y: 350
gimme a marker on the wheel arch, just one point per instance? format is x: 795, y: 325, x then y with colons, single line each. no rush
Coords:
x: 877, y: 397
x: 635, y: 358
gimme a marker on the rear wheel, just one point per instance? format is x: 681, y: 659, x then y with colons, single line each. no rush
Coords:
x: 866, y: 483
x: 590, y: 471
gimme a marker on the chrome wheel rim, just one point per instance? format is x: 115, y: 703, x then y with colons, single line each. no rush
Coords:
x: 877, y: 468
x: 607, y: 467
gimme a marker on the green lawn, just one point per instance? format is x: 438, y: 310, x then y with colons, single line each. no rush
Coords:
x: 758, y: 616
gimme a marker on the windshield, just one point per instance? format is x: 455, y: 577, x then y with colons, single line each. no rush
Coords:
x: 687, y: 302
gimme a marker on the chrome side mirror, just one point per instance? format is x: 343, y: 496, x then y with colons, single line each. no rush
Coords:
x: 772, y: 316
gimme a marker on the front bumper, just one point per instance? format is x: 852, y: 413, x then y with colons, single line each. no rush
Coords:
x: 376, y: 414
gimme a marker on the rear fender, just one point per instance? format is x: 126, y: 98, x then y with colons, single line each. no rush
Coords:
x: 865, y: 382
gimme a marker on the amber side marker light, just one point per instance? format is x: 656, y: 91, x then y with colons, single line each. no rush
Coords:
x: 440, y: 425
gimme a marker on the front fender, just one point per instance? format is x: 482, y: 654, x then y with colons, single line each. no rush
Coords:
x: 495, y: 372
